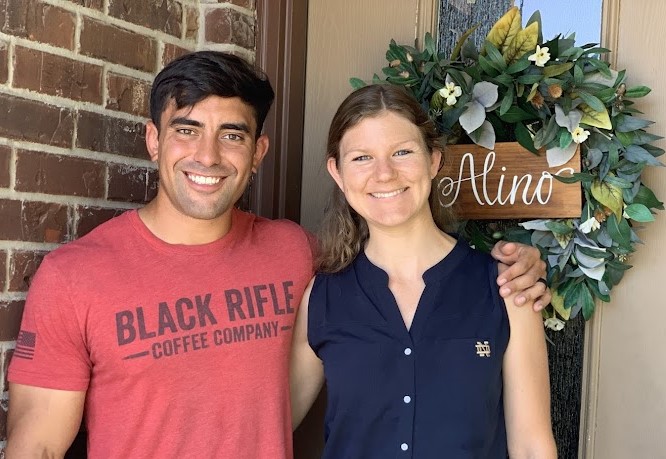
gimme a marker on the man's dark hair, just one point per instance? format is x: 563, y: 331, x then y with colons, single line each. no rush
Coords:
x: 195, y: 76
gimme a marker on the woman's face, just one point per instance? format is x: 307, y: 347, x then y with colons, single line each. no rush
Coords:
x: 385, y: 170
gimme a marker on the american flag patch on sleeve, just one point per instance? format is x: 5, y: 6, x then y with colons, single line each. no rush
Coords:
x: 25, y: 345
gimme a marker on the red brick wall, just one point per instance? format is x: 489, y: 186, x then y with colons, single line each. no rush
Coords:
x: 74, y: 86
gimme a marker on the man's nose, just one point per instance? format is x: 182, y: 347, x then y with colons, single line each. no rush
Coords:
x: 208, y: 152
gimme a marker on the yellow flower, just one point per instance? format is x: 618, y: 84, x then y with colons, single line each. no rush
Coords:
x: 541, y: 56
x: 580, y: 135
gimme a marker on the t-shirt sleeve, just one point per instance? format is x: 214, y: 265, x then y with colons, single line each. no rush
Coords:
x: 50, y: 350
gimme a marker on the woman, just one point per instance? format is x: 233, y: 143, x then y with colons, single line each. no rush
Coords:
x: 421, y: 355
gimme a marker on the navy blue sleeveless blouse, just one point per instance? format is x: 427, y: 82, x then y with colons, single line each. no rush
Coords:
x: 434, y: 391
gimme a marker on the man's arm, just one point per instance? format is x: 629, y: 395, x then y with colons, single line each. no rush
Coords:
x: 42, y: 423
x: 520, y: 271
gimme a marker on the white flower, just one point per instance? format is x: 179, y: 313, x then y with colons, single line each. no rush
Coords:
x: 589, y: 225
x: 554, y: 323
x: 541, y: 56
x: 410, y: 58
x: 451, y: 92
x: 579, y: 135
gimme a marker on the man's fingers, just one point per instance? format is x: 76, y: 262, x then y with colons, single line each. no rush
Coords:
x: 538, y: 293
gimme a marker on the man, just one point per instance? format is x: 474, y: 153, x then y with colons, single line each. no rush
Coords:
x: 171, y: 325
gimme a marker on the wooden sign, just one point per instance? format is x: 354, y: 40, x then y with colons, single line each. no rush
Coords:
x: 506, y: 183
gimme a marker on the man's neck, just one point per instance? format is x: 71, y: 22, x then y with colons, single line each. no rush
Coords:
x: 174, y: 227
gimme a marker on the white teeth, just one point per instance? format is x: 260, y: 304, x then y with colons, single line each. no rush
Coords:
x: 203, y: 180
x: 388, y: 195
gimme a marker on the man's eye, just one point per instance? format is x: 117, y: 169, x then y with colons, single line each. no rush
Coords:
x: 361, y: 158
x: 185, y: 131
x: 233, y: 137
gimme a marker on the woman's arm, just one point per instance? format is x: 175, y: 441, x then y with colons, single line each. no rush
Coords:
x: 306, y: 372
x: 526, y: 387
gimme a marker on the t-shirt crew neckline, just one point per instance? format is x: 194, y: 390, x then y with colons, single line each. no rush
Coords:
x: 185, y: 249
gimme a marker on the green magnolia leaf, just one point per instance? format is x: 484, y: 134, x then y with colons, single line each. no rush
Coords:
x: 515, y: 114
x: 594, y: 103
x: 558, y: 227
x: 430, y: 44
x: 626, y: 123
x: 357, y: 83
x: 518, y: 66
x: 488, y: 67
x: 456, y: 50
x: 639, y: 213
x: 495, y: 57
x: 529, y: 79
x: 637, y: 154
x: 586, y: 301
x: 637, y: 91
x: 619, y: 231
x: 646, y: 197
x: 507, y: 101
x: 595, y: 118
x: 556, y: 69
x: 524, y: 138
x: 608, y: 195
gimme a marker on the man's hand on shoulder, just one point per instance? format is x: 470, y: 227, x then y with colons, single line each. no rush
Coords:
x: 522, y: 271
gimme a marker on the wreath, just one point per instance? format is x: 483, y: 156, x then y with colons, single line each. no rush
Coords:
x: 554, y: 96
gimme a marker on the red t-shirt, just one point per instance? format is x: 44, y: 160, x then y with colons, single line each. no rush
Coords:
x: 182, y: 349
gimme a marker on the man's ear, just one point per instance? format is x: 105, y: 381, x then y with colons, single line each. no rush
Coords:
x: 260, y: 150
x: 152, y: 140
x: 334, y: 172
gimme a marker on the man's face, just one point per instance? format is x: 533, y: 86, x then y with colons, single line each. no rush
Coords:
x: 205, y: 155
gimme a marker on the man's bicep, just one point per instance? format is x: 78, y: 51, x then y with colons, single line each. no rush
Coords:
x: 42, y: 422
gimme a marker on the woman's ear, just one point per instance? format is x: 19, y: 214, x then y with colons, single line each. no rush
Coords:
x: 333, y: 171
x: 435, y: 162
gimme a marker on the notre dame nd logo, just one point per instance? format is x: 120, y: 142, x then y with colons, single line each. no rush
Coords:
x: 483, y: 349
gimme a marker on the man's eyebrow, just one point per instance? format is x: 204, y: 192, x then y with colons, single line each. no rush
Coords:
x: 181, y: 120
x: 235, y: 127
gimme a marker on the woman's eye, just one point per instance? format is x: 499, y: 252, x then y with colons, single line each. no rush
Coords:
x: 402, y: 152
x: 361, y: 158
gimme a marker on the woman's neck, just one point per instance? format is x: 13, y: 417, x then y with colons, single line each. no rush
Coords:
x: 408, y: 251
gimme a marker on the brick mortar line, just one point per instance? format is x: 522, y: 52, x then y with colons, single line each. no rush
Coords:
x: 78, y: 25
x: 7, y: 270
x: 74, y: 55
x: 250, y: 55
x: 25, y: 246
x: 10, y: 60
x: 67, y: 200
x: 82, y: 153
x: 12, y: 296
x: 110, y: 20
x: 227, y: 6
x: 63, y: 102
x: 12, y: 168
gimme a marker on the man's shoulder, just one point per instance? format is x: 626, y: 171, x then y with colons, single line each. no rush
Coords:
x: 107, y: 237
x: 274, y: 229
